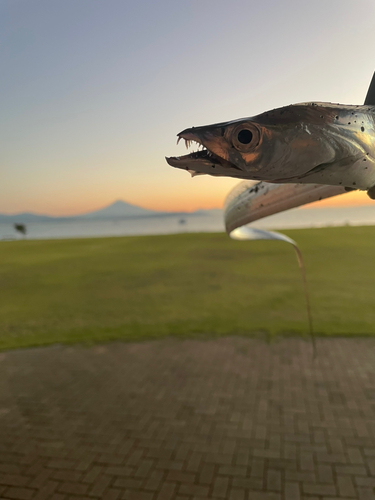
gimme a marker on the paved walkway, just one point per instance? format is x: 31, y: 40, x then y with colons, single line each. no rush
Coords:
x: 226, y: 419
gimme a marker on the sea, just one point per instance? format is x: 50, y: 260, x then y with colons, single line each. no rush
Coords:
x: 211, y: 221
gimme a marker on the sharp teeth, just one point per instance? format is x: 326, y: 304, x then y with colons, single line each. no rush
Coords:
x: 192, y: 142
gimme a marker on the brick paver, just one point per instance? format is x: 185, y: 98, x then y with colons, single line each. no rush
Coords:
x: 232, y: 418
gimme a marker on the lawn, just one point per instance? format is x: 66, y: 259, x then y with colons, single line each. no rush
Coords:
x: 88, y: 290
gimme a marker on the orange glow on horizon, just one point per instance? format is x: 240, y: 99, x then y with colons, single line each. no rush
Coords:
x: 174, y: 201
x: 57, y: 208
x: 351, y: 199
x: 180, y: 203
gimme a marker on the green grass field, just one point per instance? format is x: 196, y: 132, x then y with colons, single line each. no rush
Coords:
x: 89, y: 290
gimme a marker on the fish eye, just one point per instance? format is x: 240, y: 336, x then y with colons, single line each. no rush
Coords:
x: 245, y: 136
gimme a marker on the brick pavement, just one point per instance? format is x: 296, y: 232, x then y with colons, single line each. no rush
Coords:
x: 231, y: 418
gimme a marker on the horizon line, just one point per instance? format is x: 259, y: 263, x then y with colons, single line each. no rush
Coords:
x: 355, y: 198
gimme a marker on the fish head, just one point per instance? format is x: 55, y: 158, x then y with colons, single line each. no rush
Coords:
x: 277, y: 146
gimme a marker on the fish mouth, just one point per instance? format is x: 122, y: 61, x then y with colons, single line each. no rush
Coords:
x: 201, y: 160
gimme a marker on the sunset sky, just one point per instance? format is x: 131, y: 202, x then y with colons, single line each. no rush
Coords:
x: 93, y: 92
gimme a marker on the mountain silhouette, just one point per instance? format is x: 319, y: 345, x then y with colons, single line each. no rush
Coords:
x: 117, y: 210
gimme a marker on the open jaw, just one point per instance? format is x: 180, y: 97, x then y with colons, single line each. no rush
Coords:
x: 200, y: 161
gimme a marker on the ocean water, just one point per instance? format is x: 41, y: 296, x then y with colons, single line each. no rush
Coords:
x: 130, y: 226
x: 210, y: 222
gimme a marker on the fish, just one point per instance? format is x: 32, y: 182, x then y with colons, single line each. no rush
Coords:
x: 248, y: 202
x: 307, y: 143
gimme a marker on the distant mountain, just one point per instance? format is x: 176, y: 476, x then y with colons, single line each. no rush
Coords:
x: 117, y: 210
x: 26, y: 217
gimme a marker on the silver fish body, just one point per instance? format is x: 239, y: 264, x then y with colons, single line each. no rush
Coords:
x: 248, y: 202
x: 318, y: 143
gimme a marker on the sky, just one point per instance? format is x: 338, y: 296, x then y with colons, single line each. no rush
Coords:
x: 93, y: 92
